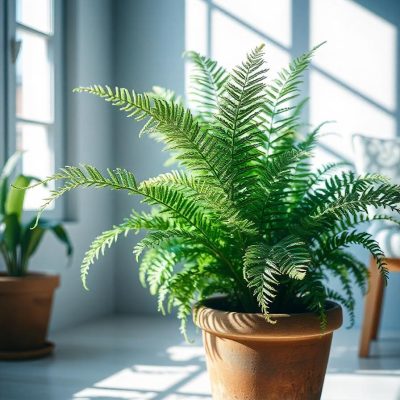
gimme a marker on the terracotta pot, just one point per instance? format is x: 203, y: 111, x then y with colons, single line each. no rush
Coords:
x: 250, y: 359
x: 25, y: 307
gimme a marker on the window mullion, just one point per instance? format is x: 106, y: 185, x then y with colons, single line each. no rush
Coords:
x: 42, y: 54
x: 33, y: 30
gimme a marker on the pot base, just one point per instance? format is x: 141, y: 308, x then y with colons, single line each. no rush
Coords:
x: 250, y: 359
x: 41, y: 352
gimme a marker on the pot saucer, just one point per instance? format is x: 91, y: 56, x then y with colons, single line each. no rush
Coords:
x: 43, y: 351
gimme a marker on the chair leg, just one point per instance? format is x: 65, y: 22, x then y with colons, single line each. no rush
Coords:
x: 372, y: 308
x: 379, y: 303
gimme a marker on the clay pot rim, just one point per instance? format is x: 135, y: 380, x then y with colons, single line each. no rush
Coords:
x: 253, y: 326
x: 31, y: 282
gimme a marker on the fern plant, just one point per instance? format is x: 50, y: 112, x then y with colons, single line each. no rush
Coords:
x: 244, y: 214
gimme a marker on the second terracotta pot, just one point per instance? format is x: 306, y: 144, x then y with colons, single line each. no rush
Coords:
x: 25, y: 307
x: 250, y: 359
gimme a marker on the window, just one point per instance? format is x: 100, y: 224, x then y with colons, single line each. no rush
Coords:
x: 34, y: 85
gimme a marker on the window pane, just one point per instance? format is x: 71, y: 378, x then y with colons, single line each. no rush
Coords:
x: 37, y: 160
x: 35, y: 14
x: 271, y: 18
x: 33, y: 78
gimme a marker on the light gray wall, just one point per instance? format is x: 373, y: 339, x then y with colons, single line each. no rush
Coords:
x: 89, y: 139
x: 149, y: 41
x: 2, y: 81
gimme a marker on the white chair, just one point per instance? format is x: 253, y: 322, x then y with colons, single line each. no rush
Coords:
x: 382, y: 156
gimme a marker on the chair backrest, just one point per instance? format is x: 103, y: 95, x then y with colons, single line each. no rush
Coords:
x: 375, y: 155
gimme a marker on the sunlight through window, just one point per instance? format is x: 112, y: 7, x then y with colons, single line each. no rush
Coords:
x: 350, y: 386
x: 361, y: 48
x: 148, y: 377
x: 226, y: 30
x: 353, y: 80
x: 185, y: 353
x: 231, y: 52
x: 270, y: 18
x: 94, y: 393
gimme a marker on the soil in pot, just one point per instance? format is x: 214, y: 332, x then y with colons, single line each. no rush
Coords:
x: 250, y: 359
x: 25, y: 308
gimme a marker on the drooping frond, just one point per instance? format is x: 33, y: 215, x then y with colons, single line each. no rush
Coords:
x: 344, y: 239
x: 87, y: 176
x: 99, y: 246
x: 156, y: 269
x: 263, y: 265
x: 171, y: 123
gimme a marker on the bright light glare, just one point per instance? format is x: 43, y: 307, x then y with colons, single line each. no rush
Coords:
x: 352, y: 113
x: 37, y: 160
x: 148, y: 377
x: 361, y: 48
x: 231, y: 41
x: 185, y: 353
x: 196, y: 26
x: 186, y: 397
x: 94, y: 393
x: 200, y: 384
x: 360, y: 387
x: 36, y: 14
x: 269, y: 17
x: 196, y: 33
x: 34, y: 78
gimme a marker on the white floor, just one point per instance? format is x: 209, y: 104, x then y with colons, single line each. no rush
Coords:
x: 145, y: 358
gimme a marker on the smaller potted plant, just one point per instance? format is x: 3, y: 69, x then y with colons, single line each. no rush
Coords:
x: 26, y: 297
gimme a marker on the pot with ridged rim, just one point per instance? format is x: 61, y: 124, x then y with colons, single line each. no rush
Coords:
x: 250, y: 359
x: 25, y: 308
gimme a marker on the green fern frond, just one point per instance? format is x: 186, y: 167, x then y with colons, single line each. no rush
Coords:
x: 278, y: 117
x: 156, y: 269
x: 344, y: 239
x: 171, y: 123
x: 99, y: 245
x: 208, y: 80
x: 213, y: 199
x: 263, y: 265
x: 239, y: 105
x: 165, y: 94
x: 87, y: 176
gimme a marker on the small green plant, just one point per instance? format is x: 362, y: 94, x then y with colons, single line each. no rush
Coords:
x: 18, y: 240
x: 244, y: 214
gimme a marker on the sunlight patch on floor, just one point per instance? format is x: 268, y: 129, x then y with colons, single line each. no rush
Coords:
x: 361, y: 387
x: 148, y: 377
x: 93, y: 393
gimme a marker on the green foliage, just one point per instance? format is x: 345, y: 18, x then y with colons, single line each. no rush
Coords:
x: 244, y: 214
x: 19, y: 240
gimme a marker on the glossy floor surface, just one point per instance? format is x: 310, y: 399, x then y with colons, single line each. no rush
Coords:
x: 140, y: 358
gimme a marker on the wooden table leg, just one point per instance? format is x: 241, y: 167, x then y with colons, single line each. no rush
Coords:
x: 372, y: 309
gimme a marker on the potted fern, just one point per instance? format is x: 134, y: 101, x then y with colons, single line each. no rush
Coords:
x: 244, y: 217
x: 26, y: 297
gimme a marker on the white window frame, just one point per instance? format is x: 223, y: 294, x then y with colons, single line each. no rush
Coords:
x: 56, y: 53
